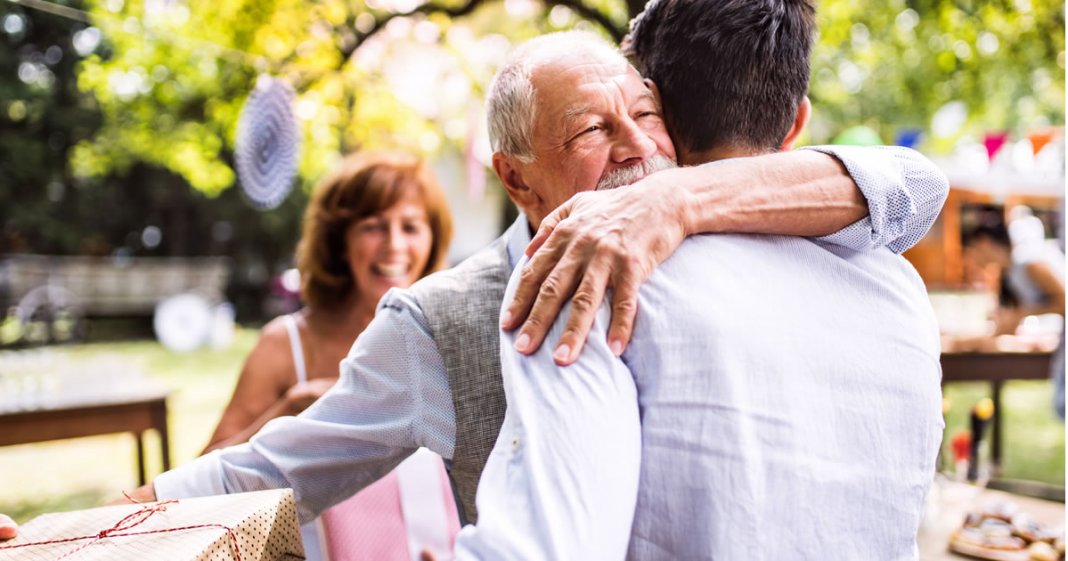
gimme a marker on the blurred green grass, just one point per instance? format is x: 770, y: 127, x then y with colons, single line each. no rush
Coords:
x: 86, y: 472
x: 1032, y: 434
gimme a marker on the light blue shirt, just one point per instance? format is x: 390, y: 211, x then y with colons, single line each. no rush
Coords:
x: 393, y: 394
x: 788, y: 393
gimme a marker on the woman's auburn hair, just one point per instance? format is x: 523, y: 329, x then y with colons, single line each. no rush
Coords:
x: 363, y: 185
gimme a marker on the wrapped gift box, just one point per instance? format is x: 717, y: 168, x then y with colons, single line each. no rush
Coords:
x: 262, y: 525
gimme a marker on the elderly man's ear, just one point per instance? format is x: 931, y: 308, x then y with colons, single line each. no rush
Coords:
x: 511, y: 176
x: 804, y: 112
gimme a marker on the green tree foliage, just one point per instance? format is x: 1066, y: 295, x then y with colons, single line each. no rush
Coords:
x: 152, y: 99
x: 174, y: 75
x: 42, y: 114
x: 892, y: 64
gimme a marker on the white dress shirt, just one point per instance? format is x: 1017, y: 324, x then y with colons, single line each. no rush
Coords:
x: 393, y: 394
x: 789, y: 400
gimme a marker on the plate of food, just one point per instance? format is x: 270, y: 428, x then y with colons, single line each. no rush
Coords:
x: 1003, y: 533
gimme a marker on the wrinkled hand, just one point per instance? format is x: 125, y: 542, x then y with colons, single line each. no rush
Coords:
x: 8, y: 528
x: 595, y: 240
x: 300, y: 396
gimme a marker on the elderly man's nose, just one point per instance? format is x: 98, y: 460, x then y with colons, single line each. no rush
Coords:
x: 633, y: 143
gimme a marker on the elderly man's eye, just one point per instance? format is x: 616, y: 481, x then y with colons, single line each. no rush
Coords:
x: 584, y: 132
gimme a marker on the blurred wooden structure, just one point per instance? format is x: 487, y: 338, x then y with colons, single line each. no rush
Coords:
x: 937, y: 257
x: 103, y: 286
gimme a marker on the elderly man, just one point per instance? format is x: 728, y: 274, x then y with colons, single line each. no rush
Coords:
x: 426, y: 372
x: 780, y: 395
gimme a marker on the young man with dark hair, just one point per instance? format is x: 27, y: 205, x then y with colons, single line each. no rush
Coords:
x: 748, y: 90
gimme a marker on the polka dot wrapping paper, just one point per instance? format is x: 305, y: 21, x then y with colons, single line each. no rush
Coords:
x: 268, y: 143
x: 257, y: 526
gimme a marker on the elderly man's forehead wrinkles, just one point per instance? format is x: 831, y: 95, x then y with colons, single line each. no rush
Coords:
x: 576, y: 112
x: 647, y: 95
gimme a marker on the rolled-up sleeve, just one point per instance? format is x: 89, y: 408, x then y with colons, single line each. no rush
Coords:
x: 904, y: 190
x: 391, y: 398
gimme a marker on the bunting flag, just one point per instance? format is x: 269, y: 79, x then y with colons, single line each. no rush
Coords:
x: 1039, y: 139
x: 908, y: 138
x: 268, y: 143
x: 993, y: 142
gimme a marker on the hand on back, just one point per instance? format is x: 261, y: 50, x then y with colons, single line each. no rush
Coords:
x: 595, y: 240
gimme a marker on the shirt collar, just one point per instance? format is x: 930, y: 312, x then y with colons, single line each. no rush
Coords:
x: 518, y: 238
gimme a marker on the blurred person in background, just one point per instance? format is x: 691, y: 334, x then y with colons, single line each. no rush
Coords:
x: 1027, y: 271
x: 1036, y: 275
x: 1037, y: 278
x: 379, y: 221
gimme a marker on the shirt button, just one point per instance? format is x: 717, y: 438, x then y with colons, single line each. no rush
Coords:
x: 515, y: 443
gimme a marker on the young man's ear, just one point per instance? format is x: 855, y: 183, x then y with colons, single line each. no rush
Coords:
x: 804, y: 113
x: 663, y: 115
x: 656, y: 92
x: 509, y: 171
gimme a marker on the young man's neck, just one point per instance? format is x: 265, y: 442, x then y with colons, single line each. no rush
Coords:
x: 698, y: 157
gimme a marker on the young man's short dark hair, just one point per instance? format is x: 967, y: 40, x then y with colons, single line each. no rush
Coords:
x: 731, y: 72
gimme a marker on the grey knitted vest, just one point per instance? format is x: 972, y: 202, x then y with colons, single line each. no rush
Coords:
x: 462, y: 306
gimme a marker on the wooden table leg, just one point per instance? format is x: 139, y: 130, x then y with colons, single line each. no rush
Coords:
x: 995, y: 438
x: 140, y: 436
x: 159, y: 418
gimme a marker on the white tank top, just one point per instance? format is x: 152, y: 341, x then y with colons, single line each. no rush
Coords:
x: 296, y: 347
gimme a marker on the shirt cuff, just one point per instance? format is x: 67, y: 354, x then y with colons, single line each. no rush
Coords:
x: 890, y: 204
x: 199, y: 478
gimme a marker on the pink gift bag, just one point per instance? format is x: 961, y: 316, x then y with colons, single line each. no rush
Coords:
x: 409, y: 510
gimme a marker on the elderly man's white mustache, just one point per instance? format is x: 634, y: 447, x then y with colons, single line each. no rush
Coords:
x: 628, y: 175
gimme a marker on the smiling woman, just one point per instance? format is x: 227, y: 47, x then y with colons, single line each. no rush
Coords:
x: 379, y: 221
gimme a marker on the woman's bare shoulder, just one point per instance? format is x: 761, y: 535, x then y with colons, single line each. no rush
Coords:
x: 272, y: 354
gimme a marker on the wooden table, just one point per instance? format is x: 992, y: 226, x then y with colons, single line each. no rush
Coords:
x: 948, y: 502
x: 135, y: 412
x: 995, y: 368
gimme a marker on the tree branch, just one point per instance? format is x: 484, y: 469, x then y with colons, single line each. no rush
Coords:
x: 584, y: 11
x: 450, y: 11
x: 614, y: 29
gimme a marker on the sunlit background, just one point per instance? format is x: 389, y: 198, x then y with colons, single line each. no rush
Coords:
x: 118, y: 121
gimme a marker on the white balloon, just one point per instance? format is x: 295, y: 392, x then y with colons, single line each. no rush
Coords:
x: 183, y: 323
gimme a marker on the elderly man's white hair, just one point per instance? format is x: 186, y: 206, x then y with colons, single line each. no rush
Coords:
x: 510, y: 105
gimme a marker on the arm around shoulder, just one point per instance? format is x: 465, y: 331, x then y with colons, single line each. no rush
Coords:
x: 904, y: 192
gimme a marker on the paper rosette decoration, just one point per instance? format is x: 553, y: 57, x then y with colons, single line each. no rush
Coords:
x: 268, y: 143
